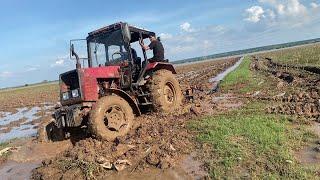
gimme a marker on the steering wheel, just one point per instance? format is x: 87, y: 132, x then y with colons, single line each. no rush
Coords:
x: 115, y: 53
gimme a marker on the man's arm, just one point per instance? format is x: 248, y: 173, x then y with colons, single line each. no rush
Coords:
x: 143, y: 46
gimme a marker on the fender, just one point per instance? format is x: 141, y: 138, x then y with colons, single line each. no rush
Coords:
x: 161, y: 65
x: 126, y: 97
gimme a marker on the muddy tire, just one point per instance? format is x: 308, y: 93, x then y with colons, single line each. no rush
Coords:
x: 112, y: 117
x: 165, y: 91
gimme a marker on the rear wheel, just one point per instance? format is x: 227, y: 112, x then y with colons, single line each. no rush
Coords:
x: 165, y: 91
x: 112, y: 117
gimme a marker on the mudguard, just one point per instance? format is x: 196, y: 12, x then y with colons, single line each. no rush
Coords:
x: 161, y: 65
x: 126, y: 97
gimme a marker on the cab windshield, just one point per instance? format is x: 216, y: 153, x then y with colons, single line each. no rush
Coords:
x: 108, y: 49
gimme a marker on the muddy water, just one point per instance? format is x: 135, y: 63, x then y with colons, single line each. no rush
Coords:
x: 187, y: 168
x: 24, y: 129
x: 222, y: 75
x: 17, y: 170
x: 29, y: 156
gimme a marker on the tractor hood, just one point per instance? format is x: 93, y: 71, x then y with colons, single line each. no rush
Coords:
x: 81, y: 85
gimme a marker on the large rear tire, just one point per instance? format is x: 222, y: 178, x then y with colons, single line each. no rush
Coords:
x: 165, y: 91
x: 112, y: 117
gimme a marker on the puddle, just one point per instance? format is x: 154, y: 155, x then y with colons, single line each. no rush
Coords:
x: 17, y: 170
x: 25, y: 128
x: 193, y: 167
x: 22, y: 113
x: 309, y: 155
x: 221, y: 76
x: 187, y: 168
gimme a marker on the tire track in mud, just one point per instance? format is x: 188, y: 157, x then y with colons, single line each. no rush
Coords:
x: 304, y: 100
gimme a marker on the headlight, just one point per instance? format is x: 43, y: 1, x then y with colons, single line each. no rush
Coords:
x: 75, y: 93
x: 65, y: 96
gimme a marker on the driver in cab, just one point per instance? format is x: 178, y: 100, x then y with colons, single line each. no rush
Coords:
x: 156, y: 46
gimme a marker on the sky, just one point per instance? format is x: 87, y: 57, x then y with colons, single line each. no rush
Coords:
x: 35, y: 34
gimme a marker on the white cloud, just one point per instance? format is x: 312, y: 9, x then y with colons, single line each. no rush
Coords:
x: 254, y: 14
x: 32, y: 68
x: 6, y: 74
x: 293, y: 8
x: 271, y: 14
x: 186, y: 27
x: 272, y: 2
x: 165, y: 36
x: 203, y: 41
x: 58, y: 62
x: 314, y: 5
x: 284, y: 13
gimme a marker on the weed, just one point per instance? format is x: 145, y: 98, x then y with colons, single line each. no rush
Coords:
x: 87, y: 168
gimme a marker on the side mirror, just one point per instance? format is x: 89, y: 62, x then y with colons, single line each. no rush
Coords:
x: 78, y: 65
x: 126, y: 33
x: 72, y: 50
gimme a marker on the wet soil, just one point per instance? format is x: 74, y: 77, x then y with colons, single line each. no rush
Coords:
x: 310, y: 154
x: 299, y: 97
x: 302, y: 99
x: 27, y: 155
x: 159, y: 143
x: 23, y: 122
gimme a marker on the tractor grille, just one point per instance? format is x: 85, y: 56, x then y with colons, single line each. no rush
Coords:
x: 68, y: 116
x: 70, y: 91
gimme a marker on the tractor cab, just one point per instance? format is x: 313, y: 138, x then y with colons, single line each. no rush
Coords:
x: 112, y: 46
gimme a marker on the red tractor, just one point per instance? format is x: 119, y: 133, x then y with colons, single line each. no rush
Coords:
x: 111, y: 86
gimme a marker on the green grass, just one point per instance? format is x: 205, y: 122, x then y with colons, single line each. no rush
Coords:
x: 7, y: 154
x: 38, y: 87
x: 3, y: 145
x: 305, y: 55
x: 247, y: 142
x: 250, y: 143
x: 242, y: 80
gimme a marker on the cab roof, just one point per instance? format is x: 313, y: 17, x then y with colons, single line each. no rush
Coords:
x: 135, y: 31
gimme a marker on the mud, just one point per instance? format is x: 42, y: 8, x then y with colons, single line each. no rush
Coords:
x: 29, y: 154
x: 17, y: 170
x: 302, y: 100
x: 299, y: 98
x: 153, y: 143
x: 159, y: 143
x: 310, y: 154
x: 29, y: 97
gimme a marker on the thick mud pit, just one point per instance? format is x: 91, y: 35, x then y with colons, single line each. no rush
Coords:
x: 159, y: 145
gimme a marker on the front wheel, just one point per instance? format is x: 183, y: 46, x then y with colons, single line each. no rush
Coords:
x: 111, y: 117
x: 165, y: 91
